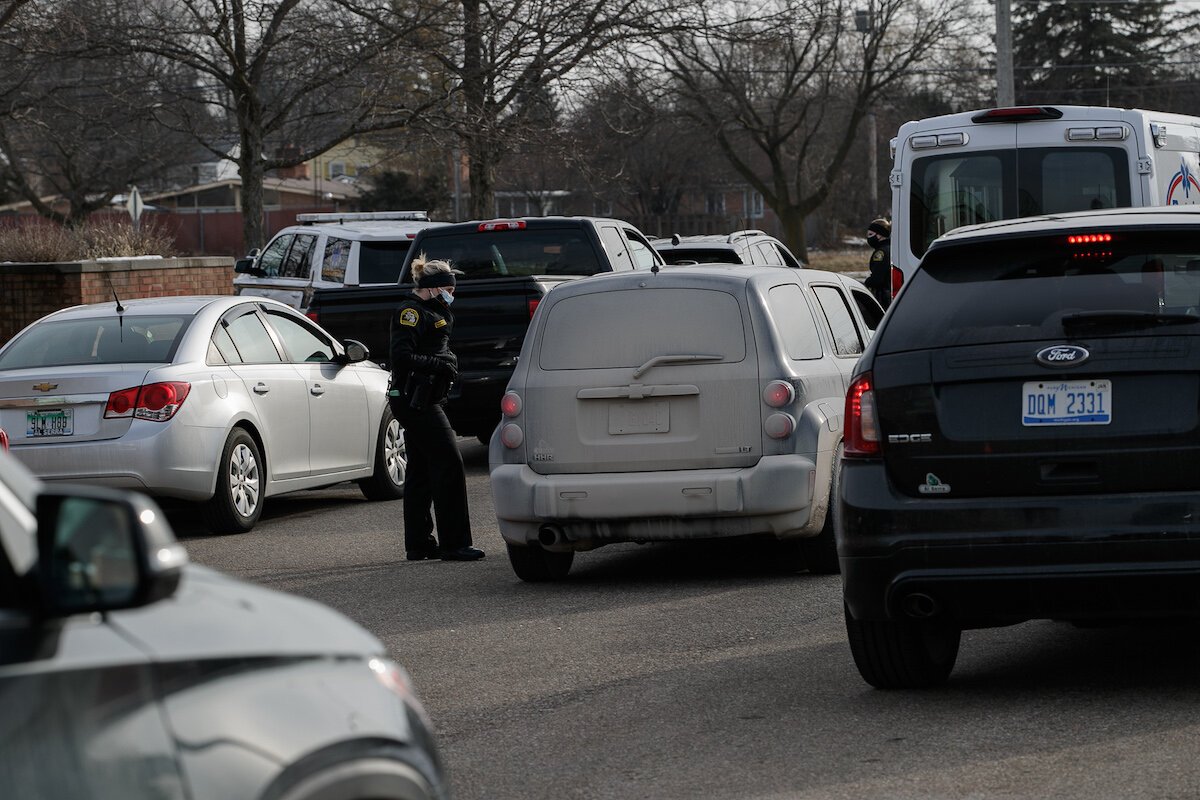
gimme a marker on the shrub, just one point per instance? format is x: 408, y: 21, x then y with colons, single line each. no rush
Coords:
x: 100, y: 237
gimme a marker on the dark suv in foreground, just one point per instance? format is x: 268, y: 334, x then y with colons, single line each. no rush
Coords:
x: 1022, y: 438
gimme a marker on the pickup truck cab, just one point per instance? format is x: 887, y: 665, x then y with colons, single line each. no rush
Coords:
x: 505, y: 267
x: 330, y: 250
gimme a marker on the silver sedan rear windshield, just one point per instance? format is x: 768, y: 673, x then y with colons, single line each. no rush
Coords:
x: 1094, y: 283
x: 115, y: 339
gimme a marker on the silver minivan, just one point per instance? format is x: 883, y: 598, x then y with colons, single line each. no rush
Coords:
x: 688, y: 402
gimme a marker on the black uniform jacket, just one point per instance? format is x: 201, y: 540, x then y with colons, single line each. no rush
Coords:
x: 420, y: 339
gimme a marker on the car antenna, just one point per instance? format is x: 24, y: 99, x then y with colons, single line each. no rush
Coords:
x: 120, y: 308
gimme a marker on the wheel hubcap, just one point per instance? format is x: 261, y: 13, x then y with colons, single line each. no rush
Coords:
x: 394, y: 453
x: 243, y: 480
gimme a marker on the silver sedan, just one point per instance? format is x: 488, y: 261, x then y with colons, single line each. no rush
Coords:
x: 220, y: 400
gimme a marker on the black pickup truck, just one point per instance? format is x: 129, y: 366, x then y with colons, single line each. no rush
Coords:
x: 505, y: 267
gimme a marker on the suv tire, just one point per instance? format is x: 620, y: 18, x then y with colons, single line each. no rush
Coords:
x: 387, y: 481
x: 820, y: 552
x: 902, y: 654
x: 535, y: 564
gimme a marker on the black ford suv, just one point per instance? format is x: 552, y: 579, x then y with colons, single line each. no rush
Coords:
x: 1022, y: 438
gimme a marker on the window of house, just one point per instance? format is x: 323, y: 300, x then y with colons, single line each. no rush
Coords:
x: 714, y: 203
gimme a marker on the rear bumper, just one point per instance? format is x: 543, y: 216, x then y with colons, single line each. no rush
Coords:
x: 168, y: 460
x: 774, y: 496
x: 998, y: 560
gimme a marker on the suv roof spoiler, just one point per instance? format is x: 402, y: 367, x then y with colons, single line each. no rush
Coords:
x: 748, y: 232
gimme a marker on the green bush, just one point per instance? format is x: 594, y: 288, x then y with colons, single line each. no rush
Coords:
x: 101, y: 237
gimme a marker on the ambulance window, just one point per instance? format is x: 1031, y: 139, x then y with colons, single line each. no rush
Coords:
x: 1078, y: 180
x: 951, y: 191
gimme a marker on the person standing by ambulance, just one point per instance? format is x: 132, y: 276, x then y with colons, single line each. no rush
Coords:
x: 423, y: 368
x: 879, y: 237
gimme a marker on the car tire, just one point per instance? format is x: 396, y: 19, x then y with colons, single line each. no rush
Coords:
x: 902, y: 654
x: 535, y: 564
x: 237, y: 503
x: 820, y: 552
x: 391, y: 462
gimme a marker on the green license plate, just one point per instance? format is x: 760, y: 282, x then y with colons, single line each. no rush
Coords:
x: 56, y: 422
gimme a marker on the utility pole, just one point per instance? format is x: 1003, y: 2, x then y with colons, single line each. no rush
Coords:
x: 1005, y: 95
x: 864, y: 24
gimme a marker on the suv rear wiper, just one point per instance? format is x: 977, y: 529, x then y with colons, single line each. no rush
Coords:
x: 681, y: 358
x: 1124, y: 319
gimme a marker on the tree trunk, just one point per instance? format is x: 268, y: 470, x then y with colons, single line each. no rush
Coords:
x: 792, y: 220
x: 250, y: 167
x: 482, y: 170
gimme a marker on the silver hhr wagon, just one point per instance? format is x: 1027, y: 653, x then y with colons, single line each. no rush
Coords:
x: 692, y: 402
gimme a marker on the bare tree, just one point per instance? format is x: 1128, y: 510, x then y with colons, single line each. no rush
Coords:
x: 784, y: 86
x: 74, y: 131
x: 493, y: 53
x: 632, y: 145
x: 292, y: 78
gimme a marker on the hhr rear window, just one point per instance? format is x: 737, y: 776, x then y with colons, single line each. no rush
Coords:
x: 1129, y: 283
x: 630, y: 327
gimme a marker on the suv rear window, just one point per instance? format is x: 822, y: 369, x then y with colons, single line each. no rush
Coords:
x: 1142, y: 282
x: 629, y: 327
x: 490, y: 254
x: 700, y: 256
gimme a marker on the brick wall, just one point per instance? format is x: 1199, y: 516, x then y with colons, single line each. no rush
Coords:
x: 30, y: 291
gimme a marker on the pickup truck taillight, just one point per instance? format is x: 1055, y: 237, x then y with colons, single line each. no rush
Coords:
x: 3, y: 440
x: 861, y: 435
x: 533, y: 304
x: 313, y: 315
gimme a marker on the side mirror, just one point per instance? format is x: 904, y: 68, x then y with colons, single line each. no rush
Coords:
x: 356, y: 351
x: 246, y: 266
x: 103, y: 550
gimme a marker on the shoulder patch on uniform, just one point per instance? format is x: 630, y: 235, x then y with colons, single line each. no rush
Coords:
x: 441, y: 323
x: 409, y: 317
x: 877, y: 255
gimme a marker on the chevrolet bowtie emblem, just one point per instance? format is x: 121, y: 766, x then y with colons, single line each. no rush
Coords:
x: 44, y: 387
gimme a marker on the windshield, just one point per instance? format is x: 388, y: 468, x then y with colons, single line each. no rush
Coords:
x: 489, y: 254
x: 951, y: 190
x: 1141, y: 283
x: 113, y: 339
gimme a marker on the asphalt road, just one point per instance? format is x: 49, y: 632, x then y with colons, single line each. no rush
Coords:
x: 706, y: 671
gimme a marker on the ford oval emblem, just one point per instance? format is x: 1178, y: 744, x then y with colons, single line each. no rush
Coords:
x: 1062, y: 355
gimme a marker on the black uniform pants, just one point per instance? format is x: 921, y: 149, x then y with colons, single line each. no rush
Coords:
x: 434, y: 476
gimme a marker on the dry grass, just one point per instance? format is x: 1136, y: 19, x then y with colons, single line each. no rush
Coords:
x: 849, y: 260
x: 103, y: 237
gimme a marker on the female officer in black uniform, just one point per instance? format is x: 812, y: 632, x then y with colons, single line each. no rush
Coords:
x: 422, y: 370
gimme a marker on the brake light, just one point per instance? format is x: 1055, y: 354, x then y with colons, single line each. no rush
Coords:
x: 779, y: 394
x: 312, y: 315
x: 502, y: 225
x: 3, y: 440
x: 1089, y: 238
x: 157, y: 402
x: 1017, y: 114
x: 861, y: 435
x: 533, y: 304
x: 510, y: 404
x: 897, y: 280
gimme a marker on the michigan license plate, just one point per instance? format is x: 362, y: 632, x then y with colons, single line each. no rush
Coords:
x: 1067, y: 403
x: 646, y: 416
x: 58, y: 422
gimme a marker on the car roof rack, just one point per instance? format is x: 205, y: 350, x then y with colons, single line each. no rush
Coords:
x: 748, y: 232
x: 362, y: 216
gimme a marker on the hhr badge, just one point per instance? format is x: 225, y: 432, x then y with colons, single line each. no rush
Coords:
x: 1062, y: 355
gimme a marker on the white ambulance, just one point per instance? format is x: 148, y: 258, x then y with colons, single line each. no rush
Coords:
x: 1001, y: 163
